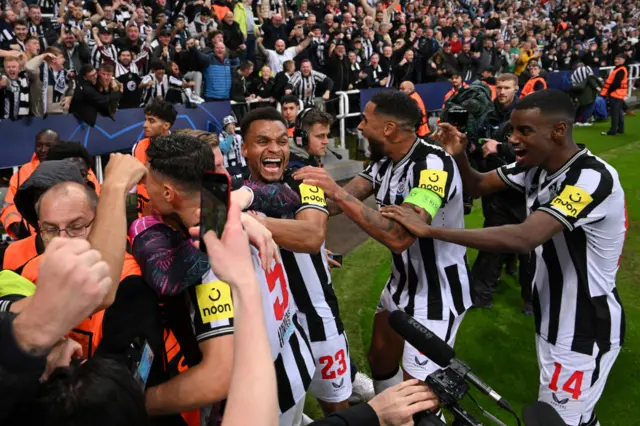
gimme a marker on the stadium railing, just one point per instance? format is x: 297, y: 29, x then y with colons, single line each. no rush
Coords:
x: 125, y: 130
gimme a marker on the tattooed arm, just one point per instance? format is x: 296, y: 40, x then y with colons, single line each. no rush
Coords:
x: 358, y: 187
x: 387, y: 231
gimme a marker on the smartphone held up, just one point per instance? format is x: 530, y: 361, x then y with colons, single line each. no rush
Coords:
x: 215, y: 198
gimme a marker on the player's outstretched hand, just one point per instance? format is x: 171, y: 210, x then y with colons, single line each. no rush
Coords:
x: 411, y: 217
x: 316, y: 176
x: 397, y: 405
x: 262, y: 239
x: 230, y: 256
x: 450, y: 139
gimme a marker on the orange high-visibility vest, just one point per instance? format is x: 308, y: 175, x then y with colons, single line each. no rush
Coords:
x: 622, y: 91
x: 19, y: 253
x: 528, y: 88
x: 423, y: 129
x: 140, y: 152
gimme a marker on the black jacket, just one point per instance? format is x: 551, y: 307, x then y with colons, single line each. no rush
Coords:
x: 338, y: 72
x: 233, y: 36
x: 87, y: 102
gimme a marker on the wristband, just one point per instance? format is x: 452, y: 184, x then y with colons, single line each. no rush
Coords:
x: 426, y: 199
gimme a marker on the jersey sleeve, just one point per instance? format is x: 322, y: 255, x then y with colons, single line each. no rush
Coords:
x: 434, y: 173
x: 367, y: 173
x: 513, y: 175
x: 213, y: 309
x: 581, y: 198
x: 311, y: 197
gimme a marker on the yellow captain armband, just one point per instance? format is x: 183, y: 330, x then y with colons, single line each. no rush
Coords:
x: 426, y: 199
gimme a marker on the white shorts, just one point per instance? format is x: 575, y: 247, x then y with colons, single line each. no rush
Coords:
x: 332, y: 380
x: 572, y: 382
x: 414, y: 362
x: 293, y: 416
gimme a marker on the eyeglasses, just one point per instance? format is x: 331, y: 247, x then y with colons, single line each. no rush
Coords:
x: 73, y: 231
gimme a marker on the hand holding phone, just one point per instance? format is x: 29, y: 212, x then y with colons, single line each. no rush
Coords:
x: 214, y: 204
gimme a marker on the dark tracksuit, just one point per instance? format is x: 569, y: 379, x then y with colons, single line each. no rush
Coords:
x: 503, y: 208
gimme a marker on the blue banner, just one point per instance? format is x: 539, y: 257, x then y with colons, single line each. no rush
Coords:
x: 432, y: 94
x: 107, y: 136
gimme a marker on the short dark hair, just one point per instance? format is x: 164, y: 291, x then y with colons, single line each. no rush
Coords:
x: 398, y: 105
x: 106, y: 66
x: 33, y: 6
x: 290, y: 99
x: 245, y: 65
x: 31, y: 37
x: 162, y: 109
x: 86, y: 69
x: 66, y: 150
x: 158, y: 65
x: 20, y: 22
x: 314, y: 116
x: 182, y: 158
x: 550, y: 102
x: 98, y: 392
x: 260, y: 114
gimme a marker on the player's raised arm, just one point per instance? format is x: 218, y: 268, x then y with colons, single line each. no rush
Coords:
x: 476, y: 184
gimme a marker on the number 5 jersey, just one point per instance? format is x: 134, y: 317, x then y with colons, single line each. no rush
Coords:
x: 173, y: 267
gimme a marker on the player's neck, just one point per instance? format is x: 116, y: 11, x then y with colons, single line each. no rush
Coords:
x: 399, y: 148
x: 560, y: 158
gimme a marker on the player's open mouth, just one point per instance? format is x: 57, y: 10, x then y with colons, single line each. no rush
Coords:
x: 272, y: 163
x: 520, y: 153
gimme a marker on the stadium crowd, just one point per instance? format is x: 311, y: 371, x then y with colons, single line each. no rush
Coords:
x: 116, y: 309
x: 92, y: 57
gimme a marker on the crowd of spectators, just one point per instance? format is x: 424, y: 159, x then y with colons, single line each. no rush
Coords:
x: 92, y: 57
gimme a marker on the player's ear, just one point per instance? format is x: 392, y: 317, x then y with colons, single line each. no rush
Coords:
x: 560, y: 130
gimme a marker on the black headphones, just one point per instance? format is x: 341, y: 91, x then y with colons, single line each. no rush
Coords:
x: 300, y: 135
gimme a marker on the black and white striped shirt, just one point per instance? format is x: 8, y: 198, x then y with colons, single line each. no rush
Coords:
x: 430, y: 276
x: 305, y: 87
x: 575, y: 300
x: 309, y: 276
x: 104, y: 53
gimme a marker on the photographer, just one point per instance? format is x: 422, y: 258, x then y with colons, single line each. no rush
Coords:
x: 502, y: 208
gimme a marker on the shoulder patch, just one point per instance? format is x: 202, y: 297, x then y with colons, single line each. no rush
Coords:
x: 434, y: 180
x: 214, y: 301
x: 571, y: 201
x: 312, y: 195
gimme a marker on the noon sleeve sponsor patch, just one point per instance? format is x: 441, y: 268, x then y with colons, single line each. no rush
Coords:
x: 434, y: 180
x: 312, y: 195
x: 214, y: 301
x: 571, y: 201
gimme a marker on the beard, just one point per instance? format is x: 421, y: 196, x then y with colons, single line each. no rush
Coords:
x: 377, y: 152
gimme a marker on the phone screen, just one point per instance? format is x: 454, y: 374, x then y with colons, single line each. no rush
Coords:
x: 214, y: 204
x: 141, y: 375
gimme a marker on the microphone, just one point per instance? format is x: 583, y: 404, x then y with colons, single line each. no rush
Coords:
x: 338, y: 156
x: 434, y: 348
x: 541, y: 414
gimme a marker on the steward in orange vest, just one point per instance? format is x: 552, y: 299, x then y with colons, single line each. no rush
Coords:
x: 408, y: 88
x: 487, y: 78
x: 535, y: 83
x: 616, y: 88
x: 18, y: 255
x: 617, y: 84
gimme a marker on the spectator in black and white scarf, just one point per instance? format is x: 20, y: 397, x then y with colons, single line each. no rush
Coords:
x: 51, y: 86
x: 19, y: 36
x: 14, y: 90
x: 40, y: 27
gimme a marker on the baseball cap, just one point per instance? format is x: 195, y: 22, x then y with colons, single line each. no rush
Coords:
x: 104, y: 30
